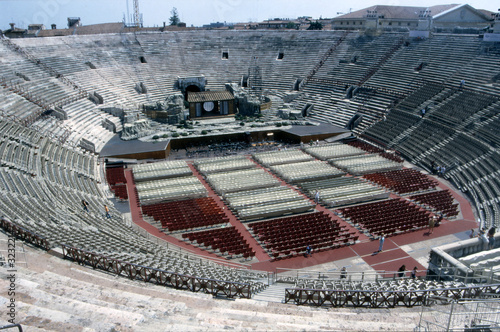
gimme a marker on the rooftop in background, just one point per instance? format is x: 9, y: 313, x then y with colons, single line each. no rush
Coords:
x: 439, y: 18
x: 203, y: 96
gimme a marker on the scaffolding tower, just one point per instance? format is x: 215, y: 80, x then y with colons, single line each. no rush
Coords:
x: 255, y: 78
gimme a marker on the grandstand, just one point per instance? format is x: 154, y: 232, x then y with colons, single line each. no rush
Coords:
x: 238, y: 224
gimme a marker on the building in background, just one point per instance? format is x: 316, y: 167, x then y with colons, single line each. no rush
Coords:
x: 440, y: 18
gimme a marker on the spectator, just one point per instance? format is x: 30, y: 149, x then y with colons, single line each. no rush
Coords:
x: 85, y: 205
x: 343, y: 273
x: 472, y: 233
x: 439, y: 219
x: 422, y: 112
x: 381, y: 242
x: 414, y: 273
x: 462, y: 84
x: 432, y: 223
x: 308, y: 251
x: 491, y: 238
x: 316, y: 197
x: 106, y: 210
x: 402, y: 271
x: 484, y: 238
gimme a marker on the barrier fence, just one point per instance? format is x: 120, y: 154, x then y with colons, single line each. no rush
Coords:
x: 25, y: 235
x: 387, y: 299
x: 214, y: 287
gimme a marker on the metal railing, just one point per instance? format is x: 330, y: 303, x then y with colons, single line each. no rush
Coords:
x: 227, y: 289
x: 137, y: 272
x: 24, y: 234
x: 461, y: 316
x: 387, y: 299
x: 286, y: 275
x: 11, y: 326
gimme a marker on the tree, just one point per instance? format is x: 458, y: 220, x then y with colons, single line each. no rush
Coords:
x: 315, y: 26
x: 174, y: 19
x: 291, y: 25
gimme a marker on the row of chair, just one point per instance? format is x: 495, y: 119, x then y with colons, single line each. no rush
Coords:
x: 186, y: 214
x: 389, y: 217
x: 439, y: 201
x: 334, y: 150
x: 226, y: 241
x: 115, y: 175
x: 290, y: 236
x: 271, y: 158
x: 403, y: 181
x: 120, y: 191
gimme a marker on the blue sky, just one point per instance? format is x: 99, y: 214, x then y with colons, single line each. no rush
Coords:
x: 193, y: 12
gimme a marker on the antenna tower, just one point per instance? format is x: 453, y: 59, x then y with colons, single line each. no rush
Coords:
x: 137, y: 18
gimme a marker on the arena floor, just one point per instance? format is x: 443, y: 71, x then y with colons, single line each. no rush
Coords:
x: 411, y: 249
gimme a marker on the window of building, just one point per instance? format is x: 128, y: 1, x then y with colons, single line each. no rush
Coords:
x: 354, y: 23
x: 399, y: 23
x: 409, y: 23
x: 225, y: 55
x: 390, y: 23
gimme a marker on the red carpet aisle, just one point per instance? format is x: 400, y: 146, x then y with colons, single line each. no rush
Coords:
x: 260, y: 253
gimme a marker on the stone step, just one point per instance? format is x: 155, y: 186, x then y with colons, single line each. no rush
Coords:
x: 59, y: 295
x: 273, y: 293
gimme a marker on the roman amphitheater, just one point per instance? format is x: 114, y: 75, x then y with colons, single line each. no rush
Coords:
x: 212, y: 211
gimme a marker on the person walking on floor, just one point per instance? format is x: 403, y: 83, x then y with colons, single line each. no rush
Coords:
x: 414, y: 273
x: 402, y: 271
x: 343, y: 273
x: 308, y: 251
x: 316, y: 197
x: 432, y: 223
x: 381, y: 242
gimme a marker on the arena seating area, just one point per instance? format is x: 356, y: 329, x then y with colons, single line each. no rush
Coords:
x: 117, y: 182
x: 484, y: 260
x: 186, y: 214
x: 343, y: 190
x: 402, y: 181
x: 50, y: 164
x: 226, y: 241
x: 42, y: 185
x: 389, y: 217
x: 396, y: 284
x: 289, y: 236
x: 440, y: 201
